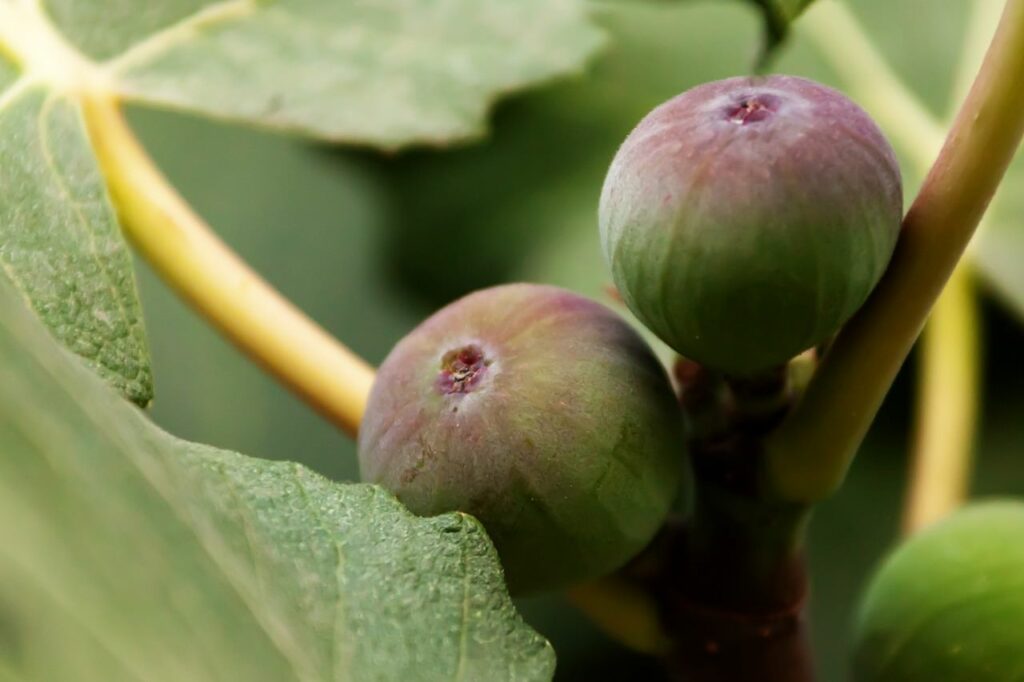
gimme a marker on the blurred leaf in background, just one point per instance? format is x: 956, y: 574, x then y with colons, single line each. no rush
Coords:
x: 998, y: 249
x: 313, y: 228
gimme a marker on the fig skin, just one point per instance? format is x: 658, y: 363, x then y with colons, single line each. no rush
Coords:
x: 948, y: 604
x: 541, y: 413
x: 746, y: 220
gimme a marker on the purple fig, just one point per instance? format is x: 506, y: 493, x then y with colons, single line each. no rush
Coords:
x: 746, y: 220
x: 540, y: 412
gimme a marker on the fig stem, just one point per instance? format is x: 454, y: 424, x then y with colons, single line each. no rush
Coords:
x: 949, y: 369
x: 735, y: 587
x: 215, y: 281
x: 810, y: 452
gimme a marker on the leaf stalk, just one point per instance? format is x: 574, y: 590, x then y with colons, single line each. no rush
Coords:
x: 216, y: 281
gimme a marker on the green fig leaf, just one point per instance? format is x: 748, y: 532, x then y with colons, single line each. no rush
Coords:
x: 128, y: 554
x: 60, y: 245
x: 387, y: 73
x: 948, y: 604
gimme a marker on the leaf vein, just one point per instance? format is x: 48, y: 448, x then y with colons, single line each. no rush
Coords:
x: 45, y: 114
x: 58, y: 600
x: 247, y: 529
x: 460, y: 671
x: 18, y: 284
x: 290, y: 653
x: 12, y: 92
x: 8, y: 97
x: 339, y: 572
x: 156, y: 44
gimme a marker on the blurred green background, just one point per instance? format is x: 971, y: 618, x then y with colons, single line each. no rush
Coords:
x: 370, y: 244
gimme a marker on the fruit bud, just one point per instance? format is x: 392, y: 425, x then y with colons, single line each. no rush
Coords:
x: 747, y: 219
x: 540, y: 412
x: 948, y: 604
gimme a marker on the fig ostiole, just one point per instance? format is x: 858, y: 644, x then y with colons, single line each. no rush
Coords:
x: 747, y: 219
x: 541, y: 413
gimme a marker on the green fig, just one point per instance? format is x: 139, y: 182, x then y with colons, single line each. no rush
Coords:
x: 949, y: 603
x: 540, y: 412
x: 746, y: 220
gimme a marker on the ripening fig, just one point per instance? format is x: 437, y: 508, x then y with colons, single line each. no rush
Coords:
x: 746, y: 220
x: 949, y: 603
x: 540, y: 412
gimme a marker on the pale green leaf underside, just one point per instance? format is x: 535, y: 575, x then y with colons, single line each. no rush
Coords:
x: 59, y: 241
x: 388, y: 72
x: 102, y: 29
x: 126, y: 554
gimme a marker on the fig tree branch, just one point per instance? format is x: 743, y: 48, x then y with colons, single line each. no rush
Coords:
x: 811, y: 451
x: 216, y: 282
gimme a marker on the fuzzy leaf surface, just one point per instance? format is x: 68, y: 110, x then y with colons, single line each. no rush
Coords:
x: 128, y: 554
x: 60, y: 245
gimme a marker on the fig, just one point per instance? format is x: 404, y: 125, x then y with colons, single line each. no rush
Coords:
x: 543, y: 414
x: 949, y: 603
x: 747, y: 219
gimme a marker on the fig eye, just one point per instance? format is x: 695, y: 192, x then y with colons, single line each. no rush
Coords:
x: 571, y: 461
x: 753, y: 108
x: 462, y: 369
